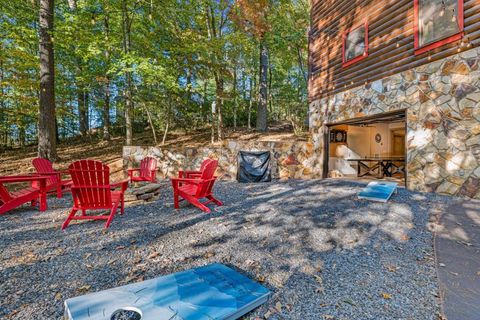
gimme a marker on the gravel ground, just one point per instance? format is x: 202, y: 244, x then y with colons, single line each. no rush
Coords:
x: 324, y: 254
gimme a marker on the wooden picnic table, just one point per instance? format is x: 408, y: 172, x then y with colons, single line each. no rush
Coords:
x: 386, y: 166
x: 11, y: 200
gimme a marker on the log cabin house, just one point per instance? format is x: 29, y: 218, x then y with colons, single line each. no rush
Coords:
x: 394, y: 91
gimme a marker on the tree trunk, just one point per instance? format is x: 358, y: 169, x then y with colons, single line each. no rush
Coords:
x: 235, y: 100
x: 214, y: 115
x: 250, y: 104
x: 83, y: 112
x: 301, y: 65
x: 47, y: 144
x: 262, y: 111
x: 219, y: 91
x: 152, y: 127
x: 165, y: 134
x: 21, y: 136
x: 270, y: 100
x: 106, y: 112
x: 2, y: 100
x: 106, y: 105
x: 128, y: 90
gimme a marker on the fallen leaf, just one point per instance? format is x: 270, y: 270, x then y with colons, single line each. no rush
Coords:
x: 88, y: 255
x: 84, y: 288
x: 58, y: 296
x: 267, y: 315
x: 120, y: 247
x: 278, y: 306
x: 391, y: 268
x: 208, y: 255
x: 261, y: 278
x: 386, y: 296
x: 153, y: 255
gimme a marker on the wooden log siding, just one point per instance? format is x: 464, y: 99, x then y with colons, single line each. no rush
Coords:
x: 391, y: 47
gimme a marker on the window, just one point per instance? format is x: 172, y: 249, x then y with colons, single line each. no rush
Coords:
x: 437, y: 22
x: 355, y: 44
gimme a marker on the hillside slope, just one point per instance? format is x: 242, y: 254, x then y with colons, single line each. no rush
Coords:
x: 19, y: 161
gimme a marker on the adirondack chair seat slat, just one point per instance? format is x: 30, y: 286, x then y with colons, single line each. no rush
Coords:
x: 189, y: 189
x: 23, y: 192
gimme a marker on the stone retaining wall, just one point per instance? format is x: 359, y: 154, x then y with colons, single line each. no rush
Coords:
x: 290, y: 159
x: 443, y: 117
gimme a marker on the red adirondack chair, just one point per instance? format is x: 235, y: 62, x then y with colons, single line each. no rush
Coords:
x: 92, y: 190
x: 54, y: 183
x: 146, y: 172
x: 12, y: 200
x: 194, y: 174
x: 193, y: 190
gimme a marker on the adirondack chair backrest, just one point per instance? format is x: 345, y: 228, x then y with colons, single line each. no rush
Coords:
x: 91, y: 184
x: 147, y: 167
x: 204, y: 163
x: 45, y: 166
x: 208, y: 173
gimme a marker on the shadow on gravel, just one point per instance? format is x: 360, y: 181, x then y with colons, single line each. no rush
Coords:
x: 321, y: 251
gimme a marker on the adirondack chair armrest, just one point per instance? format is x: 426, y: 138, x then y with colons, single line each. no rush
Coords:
x: 132, y: 171
x: 123, y: 184
x: 176, y: 182
x: 26, y: 178
x: 55, y: 173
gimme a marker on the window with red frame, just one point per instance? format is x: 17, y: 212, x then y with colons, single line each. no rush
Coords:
x: 355, y: 44
x: 437, y: 22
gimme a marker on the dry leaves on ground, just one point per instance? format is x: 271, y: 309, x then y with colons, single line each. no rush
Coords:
x: 386, y: 296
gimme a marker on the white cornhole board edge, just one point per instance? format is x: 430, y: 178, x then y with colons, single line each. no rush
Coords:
x: 380, y: 191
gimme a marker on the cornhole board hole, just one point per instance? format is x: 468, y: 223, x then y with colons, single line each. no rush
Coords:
x: 211, y: 292
x: 254, y: 167
x: 378, y: 191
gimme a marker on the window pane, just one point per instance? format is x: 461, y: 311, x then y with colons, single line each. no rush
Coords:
x: 438, y: 20
x: 355, y: 43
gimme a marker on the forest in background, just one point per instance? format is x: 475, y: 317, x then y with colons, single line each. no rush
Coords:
x: 107, y: 67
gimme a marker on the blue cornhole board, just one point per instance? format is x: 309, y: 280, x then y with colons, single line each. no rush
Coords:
x: 378, y: 191
x: 211, y: 292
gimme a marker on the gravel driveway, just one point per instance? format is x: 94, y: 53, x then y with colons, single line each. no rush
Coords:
x: 324, y: 254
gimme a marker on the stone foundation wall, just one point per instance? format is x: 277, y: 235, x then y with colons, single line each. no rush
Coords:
x: 443, y: 117
x: 290, y: 160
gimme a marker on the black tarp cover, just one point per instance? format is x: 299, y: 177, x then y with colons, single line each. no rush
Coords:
x: 254, y: 167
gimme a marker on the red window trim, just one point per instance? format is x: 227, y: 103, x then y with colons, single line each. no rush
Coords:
x: 346, y: 63
x: 437, y: 44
